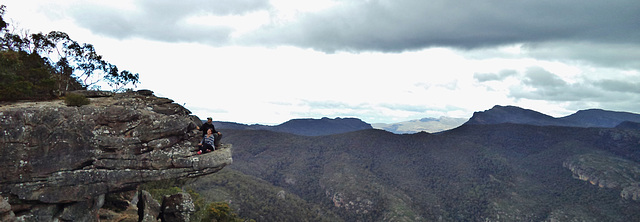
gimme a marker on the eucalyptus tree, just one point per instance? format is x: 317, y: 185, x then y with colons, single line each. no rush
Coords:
x: 71, y: 62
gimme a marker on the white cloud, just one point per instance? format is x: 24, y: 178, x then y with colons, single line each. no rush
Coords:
x: 382, y: 61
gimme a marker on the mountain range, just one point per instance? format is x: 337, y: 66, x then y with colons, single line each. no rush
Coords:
x: 582, y: 118
x: 304, y: 127
x: 496, y: 115
x: 504, y: 164
x: 429, y: 125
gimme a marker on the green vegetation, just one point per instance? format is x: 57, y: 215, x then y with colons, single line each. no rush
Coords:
x: 256, y: 199
x: 45, y: 66
x: 3, y: 24
x: 72, y: 99
x: 217, y: 211
x: 500, y: 172
x: 25, y: 76
x: 221, y: 212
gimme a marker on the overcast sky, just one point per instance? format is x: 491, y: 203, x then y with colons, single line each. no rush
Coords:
x: 268, y: 61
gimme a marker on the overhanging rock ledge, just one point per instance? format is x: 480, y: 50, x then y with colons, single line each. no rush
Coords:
x: 58, y: 161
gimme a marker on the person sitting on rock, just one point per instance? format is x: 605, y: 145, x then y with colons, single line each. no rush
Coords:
x: 209, y: 125
x: 208, y: 142
x: 206, y: 126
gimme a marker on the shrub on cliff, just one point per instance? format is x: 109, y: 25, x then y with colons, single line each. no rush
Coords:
x: 78, y: 100
x: 220, y: 211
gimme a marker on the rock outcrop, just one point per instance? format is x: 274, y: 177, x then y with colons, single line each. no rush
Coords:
x: 148, y: 208
x: 5, y: 210
x: 58, y: 162
x: 177, y: 208
x: 607, y: 171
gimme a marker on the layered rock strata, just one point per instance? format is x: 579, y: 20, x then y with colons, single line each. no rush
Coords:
x: 607, y: 171
x: 59, y: 161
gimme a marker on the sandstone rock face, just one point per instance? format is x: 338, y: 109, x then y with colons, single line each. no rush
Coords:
x: 607, y: 171
x: 58, y: 162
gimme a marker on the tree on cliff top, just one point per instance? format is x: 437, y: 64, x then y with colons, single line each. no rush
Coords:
x: 3, y: 24
x: 69, y: 64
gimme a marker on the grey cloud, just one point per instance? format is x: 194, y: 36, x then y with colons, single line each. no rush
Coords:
x: 610, y: 100
x: 485, y: 77
x: 452, y: 85
x: 619, y: 86
x: 390, y: 26
x: 164, y: 20
x: 415, y: 24
x: 570, y: 93
x: 538, y: 77
x: 187, y: 7
x: 622, y: 55
x: 540, y: 84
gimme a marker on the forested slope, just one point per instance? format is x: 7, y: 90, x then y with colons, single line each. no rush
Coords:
x: 472, y: 173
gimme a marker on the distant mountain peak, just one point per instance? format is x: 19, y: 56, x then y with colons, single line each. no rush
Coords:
x: 582, y: 118
x: 511, y: 114
x: 323, y: 126
x: 428, y: 124
x: 601, y: 118
x: 428, y: 119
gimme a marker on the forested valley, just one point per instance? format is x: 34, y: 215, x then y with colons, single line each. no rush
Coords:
x: 505, y: 172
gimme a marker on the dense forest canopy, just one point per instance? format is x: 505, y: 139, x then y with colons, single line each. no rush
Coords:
x: 44, y: 66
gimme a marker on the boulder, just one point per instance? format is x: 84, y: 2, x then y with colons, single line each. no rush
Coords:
x: 177, y: 208
x: 5, y: 210
x: 148, y: 208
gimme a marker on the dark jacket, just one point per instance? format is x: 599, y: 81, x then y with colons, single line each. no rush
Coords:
x: 206, y: 126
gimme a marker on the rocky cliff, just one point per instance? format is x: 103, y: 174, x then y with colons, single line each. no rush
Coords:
x: 607, y: 171
x: 58, y: 162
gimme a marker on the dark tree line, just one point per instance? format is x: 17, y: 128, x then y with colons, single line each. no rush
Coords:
x: 45, y: 66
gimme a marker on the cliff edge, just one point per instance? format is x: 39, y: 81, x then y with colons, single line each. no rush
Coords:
x: 58, y: 161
